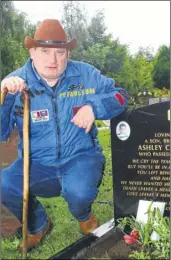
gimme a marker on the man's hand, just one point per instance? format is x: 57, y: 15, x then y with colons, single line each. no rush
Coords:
x: 13, y: 84
x: 84, y: 118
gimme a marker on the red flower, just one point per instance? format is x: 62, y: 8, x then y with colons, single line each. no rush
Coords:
x: 134, y: 234
x: 129, y: 239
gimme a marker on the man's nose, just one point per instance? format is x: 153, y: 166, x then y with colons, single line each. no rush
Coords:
x: 53, y: 58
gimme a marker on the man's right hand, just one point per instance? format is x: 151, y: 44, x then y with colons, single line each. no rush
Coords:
x: 13, y: 84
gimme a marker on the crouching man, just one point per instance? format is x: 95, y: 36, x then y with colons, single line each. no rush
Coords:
x: 66, y: 97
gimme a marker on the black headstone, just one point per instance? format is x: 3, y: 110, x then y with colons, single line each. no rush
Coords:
x: 141, y: 158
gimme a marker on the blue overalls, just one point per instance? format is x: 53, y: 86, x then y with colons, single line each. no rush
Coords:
x: 63, y: 159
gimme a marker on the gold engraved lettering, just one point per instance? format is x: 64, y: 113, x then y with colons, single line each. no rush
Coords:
x: 146, y: 194
x: 165, y: 195
x: 161, y: 154
x: 154, y: 161
x: 132, y: 193
x: 129, y: 188
x: 164, y: 189
x: 145, y: 167
x: 151, y: 147
x: 164, y: 173
x: 166, y: 141
x: 152, y: 141
x: 145, y: 154
x: 162, y: 135
x: 124, y: 182
x: 165, y: 161
x: 130, y: 166
x: 167, y: 147
x: 135, y: 182
x: 135, y: 161
x: 145, y: 189
x: 165, y: 178
x: 165, y: 167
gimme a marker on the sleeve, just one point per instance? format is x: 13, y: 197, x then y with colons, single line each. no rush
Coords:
x: 7, y: 117
x: 108, y: 101
x: 7, y: 114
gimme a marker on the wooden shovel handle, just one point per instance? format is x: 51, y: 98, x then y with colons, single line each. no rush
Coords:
x: 25, y: 171
x: 26, y: 165
x: 3, y: 95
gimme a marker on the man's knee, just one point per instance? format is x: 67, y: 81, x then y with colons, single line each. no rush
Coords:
x: 11, y: 186
x: 81, y: 197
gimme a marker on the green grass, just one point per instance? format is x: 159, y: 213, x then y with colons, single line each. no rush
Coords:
x: 66, y: 228
x: 100, y: 123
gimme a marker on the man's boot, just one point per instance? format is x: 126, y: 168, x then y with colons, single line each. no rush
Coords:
x: 89, y: 225
x: 34, y: 240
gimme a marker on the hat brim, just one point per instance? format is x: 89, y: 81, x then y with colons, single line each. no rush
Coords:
x: 30, y: 43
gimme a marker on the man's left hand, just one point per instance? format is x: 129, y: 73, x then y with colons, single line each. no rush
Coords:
x: 84, y: 118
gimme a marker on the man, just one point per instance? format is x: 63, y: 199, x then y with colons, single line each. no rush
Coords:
x: 66, y: 97
x: 123, y: 132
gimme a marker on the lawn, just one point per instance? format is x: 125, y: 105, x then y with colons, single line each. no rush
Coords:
x: 66, y: 228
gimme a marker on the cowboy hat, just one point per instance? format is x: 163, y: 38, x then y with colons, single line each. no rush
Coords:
x: 50, y: 34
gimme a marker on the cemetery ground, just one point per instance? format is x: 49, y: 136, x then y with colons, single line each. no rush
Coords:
x: 66, y: 229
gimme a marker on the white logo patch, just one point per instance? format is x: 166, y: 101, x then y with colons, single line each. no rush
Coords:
x: 40, y: 115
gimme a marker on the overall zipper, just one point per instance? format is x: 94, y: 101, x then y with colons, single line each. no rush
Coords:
x: 57, y: 121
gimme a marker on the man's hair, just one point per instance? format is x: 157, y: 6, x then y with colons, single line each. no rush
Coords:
x: 122, y: 125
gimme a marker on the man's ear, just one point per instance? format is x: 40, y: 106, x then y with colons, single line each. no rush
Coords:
x: 32, y: 52
x: 69, y: 53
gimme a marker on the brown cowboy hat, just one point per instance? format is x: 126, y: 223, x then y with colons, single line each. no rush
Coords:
x: 50, y: 34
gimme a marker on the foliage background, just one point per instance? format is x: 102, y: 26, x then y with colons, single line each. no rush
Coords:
x: 141, y: 71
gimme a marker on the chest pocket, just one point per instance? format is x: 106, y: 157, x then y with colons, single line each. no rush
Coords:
x: 40, y: 114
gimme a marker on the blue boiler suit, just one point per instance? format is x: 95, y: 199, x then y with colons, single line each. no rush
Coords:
x: 63, y: 159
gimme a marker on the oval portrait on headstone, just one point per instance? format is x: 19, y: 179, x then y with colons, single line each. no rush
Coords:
x: 123, y: 130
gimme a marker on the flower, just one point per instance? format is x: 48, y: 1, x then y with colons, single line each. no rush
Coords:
x: 134, y: 234
x: 129, y: 239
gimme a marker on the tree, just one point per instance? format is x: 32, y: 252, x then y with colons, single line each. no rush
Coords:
x: 75, y: 25
x: 146, y: 52
x: 97, y: 29
x: 96, y: 55
x: 15, y: 26
x: 142, y: 73
x: 161, y: 72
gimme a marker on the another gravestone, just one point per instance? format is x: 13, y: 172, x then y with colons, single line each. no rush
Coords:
x: 141, y: 158
x: 9, y: 150
x: 9, y: 223
x: 158, y: 100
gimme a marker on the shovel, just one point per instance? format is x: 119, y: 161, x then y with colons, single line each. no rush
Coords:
x: 26, y: 165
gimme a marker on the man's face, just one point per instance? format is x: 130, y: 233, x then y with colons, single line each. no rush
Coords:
x: 49, y: 62
x: 122, y: 129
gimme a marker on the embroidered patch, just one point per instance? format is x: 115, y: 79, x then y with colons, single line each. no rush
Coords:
x: 40, y: 115
x: 123, y: 93
x: 72, y: 87
x: 30, y: 93
x: 119, y: 98
x: 39, y: 92
x: 19, y: 107
x: 80, y: 86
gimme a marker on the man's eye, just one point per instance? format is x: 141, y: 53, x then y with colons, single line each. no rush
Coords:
x: 44, y: 50
x: 60, y: 52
